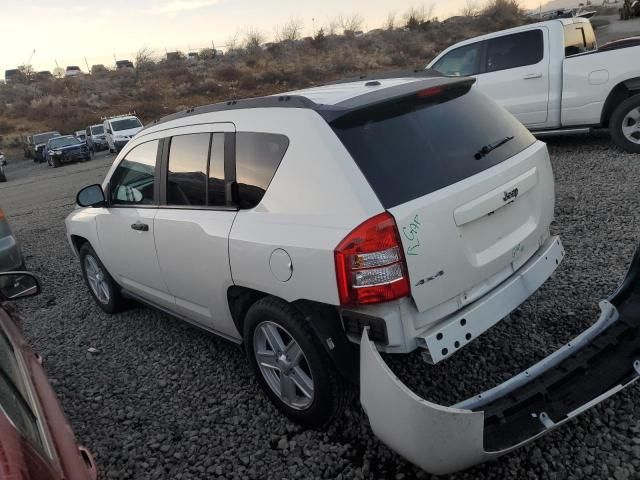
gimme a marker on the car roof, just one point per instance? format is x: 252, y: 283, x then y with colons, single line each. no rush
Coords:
x: 334, y: 99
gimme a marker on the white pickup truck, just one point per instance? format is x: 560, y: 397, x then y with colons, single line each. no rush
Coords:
x: 553, y: 77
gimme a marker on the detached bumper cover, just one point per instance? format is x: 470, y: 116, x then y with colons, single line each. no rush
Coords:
x: 600, y: 362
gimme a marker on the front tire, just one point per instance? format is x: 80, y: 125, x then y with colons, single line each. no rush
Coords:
x: 55, y: 162
x: 291, y: 365
x: 103, y: 288
x: 624, y: 125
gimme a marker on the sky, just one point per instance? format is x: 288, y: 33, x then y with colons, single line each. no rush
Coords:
x: 66, y: 31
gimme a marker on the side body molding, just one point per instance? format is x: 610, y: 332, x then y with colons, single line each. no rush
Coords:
x: 598, y: 363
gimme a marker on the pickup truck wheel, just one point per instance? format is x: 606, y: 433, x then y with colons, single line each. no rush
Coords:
x: 625, y: 124
x: 103, y: 288
x: 291, y: 365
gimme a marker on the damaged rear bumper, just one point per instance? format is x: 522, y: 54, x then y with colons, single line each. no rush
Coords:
x: 600, y: 362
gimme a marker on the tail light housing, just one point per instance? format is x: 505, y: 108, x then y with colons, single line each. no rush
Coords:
x: 370, y: 263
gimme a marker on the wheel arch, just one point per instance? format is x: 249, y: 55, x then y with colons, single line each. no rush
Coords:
x: 324, y: 320
x: 619, y: 94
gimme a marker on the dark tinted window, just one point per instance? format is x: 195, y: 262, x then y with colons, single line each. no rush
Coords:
x: 216, y: 171
x: 578, y: 39
x: 258, y: 156
x: 133, y: 181
x: 187, y: 176
x: 408, y: 150
x: 512, y: 51
x: 463, y: 61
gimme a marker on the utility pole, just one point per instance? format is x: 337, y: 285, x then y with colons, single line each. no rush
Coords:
x: 87, y: 63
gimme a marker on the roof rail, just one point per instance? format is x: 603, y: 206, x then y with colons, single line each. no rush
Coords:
x: 130, y: 114
x: 282, y: 101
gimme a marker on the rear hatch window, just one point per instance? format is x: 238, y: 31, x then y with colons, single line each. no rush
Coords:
x: 415, y: 146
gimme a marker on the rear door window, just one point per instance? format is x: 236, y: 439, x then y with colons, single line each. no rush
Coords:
x: 407, y: 150
x: 133, y: 182
x: 463, y: 61
x: 258, y: 156
x: 578, y: 38
x: 187, y: 175
x: 513, y: 51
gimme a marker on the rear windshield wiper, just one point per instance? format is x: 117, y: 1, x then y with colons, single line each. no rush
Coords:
x: 491, y: 147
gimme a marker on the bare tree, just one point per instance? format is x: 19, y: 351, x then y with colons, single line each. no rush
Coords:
x: 390, y: 24
x: 253, y: 38
x: 417, y: 15
x: 290, y: 31
x: 333, y: 26
x: 144, y: 58
x: 471, y: 9
x: 233, y: 42
x: 351, y: 23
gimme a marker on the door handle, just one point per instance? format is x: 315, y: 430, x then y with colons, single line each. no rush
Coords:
x: 531, y: 76
x: 140, y: 227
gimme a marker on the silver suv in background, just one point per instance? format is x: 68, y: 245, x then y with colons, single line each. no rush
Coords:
x: 96, y: 139
x: 119, y: 130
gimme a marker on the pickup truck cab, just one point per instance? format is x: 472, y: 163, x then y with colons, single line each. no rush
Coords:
x: 554, y: 79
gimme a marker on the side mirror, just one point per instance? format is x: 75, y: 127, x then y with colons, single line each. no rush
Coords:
x: 15, y: 285
x: 91, y: 196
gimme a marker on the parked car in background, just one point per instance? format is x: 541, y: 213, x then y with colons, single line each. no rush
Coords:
x: 43, y: 76
x: 553, y: 77
x: 124, y: 64
x: 65, y: 149
x: 119, y: 130
x: 80, y: 135
x: 14, y: 75
x: 36, y: 441
x: 72, y: 71
x: 96, y: 140
x: 38, y: 144
x: 10, y: 255
x: 3, y: 163
x: 98, y: 69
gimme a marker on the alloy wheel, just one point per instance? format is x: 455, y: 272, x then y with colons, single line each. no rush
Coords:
x: 283, y: 365
x: 97, y: 279
x: 631, y: 126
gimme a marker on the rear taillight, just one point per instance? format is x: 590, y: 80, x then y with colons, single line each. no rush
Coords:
x: 370, y: 264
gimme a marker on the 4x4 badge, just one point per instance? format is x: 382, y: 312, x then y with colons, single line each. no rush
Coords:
x: 510, y: 195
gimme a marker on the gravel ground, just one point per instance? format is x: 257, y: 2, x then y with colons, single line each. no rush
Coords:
x: 163, y: 400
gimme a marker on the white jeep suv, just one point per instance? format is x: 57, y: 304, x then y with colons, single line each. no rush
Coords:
x: 411, y: 211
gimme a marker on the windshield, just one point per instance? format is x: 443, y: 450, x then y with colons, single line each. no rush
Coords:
x: 63, y: 142
x: 44, y: 137
x: 408, y: 150
x: 126, y: 124
x: 97, y: 130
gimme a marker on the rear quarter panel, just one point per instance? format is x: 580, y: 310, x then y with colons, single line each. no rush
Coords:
x: 317, y: 196
x: 588, y: 79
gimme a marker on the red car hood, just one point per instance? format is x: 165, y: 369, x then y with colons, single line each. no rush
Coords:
x: 17, y: 456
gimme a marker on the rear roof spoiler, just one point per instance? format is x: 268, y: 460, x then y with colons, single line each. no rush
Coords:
x: 434, y: 86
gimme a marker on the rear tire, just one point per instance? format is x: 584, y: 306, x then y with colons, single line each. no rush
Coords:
x: 104, y: 290
x: 624, y: 125
x: 314, y: 392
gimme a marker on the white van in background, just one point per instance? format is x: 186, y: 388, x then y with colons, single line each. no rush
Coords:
x: 119, y: 130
